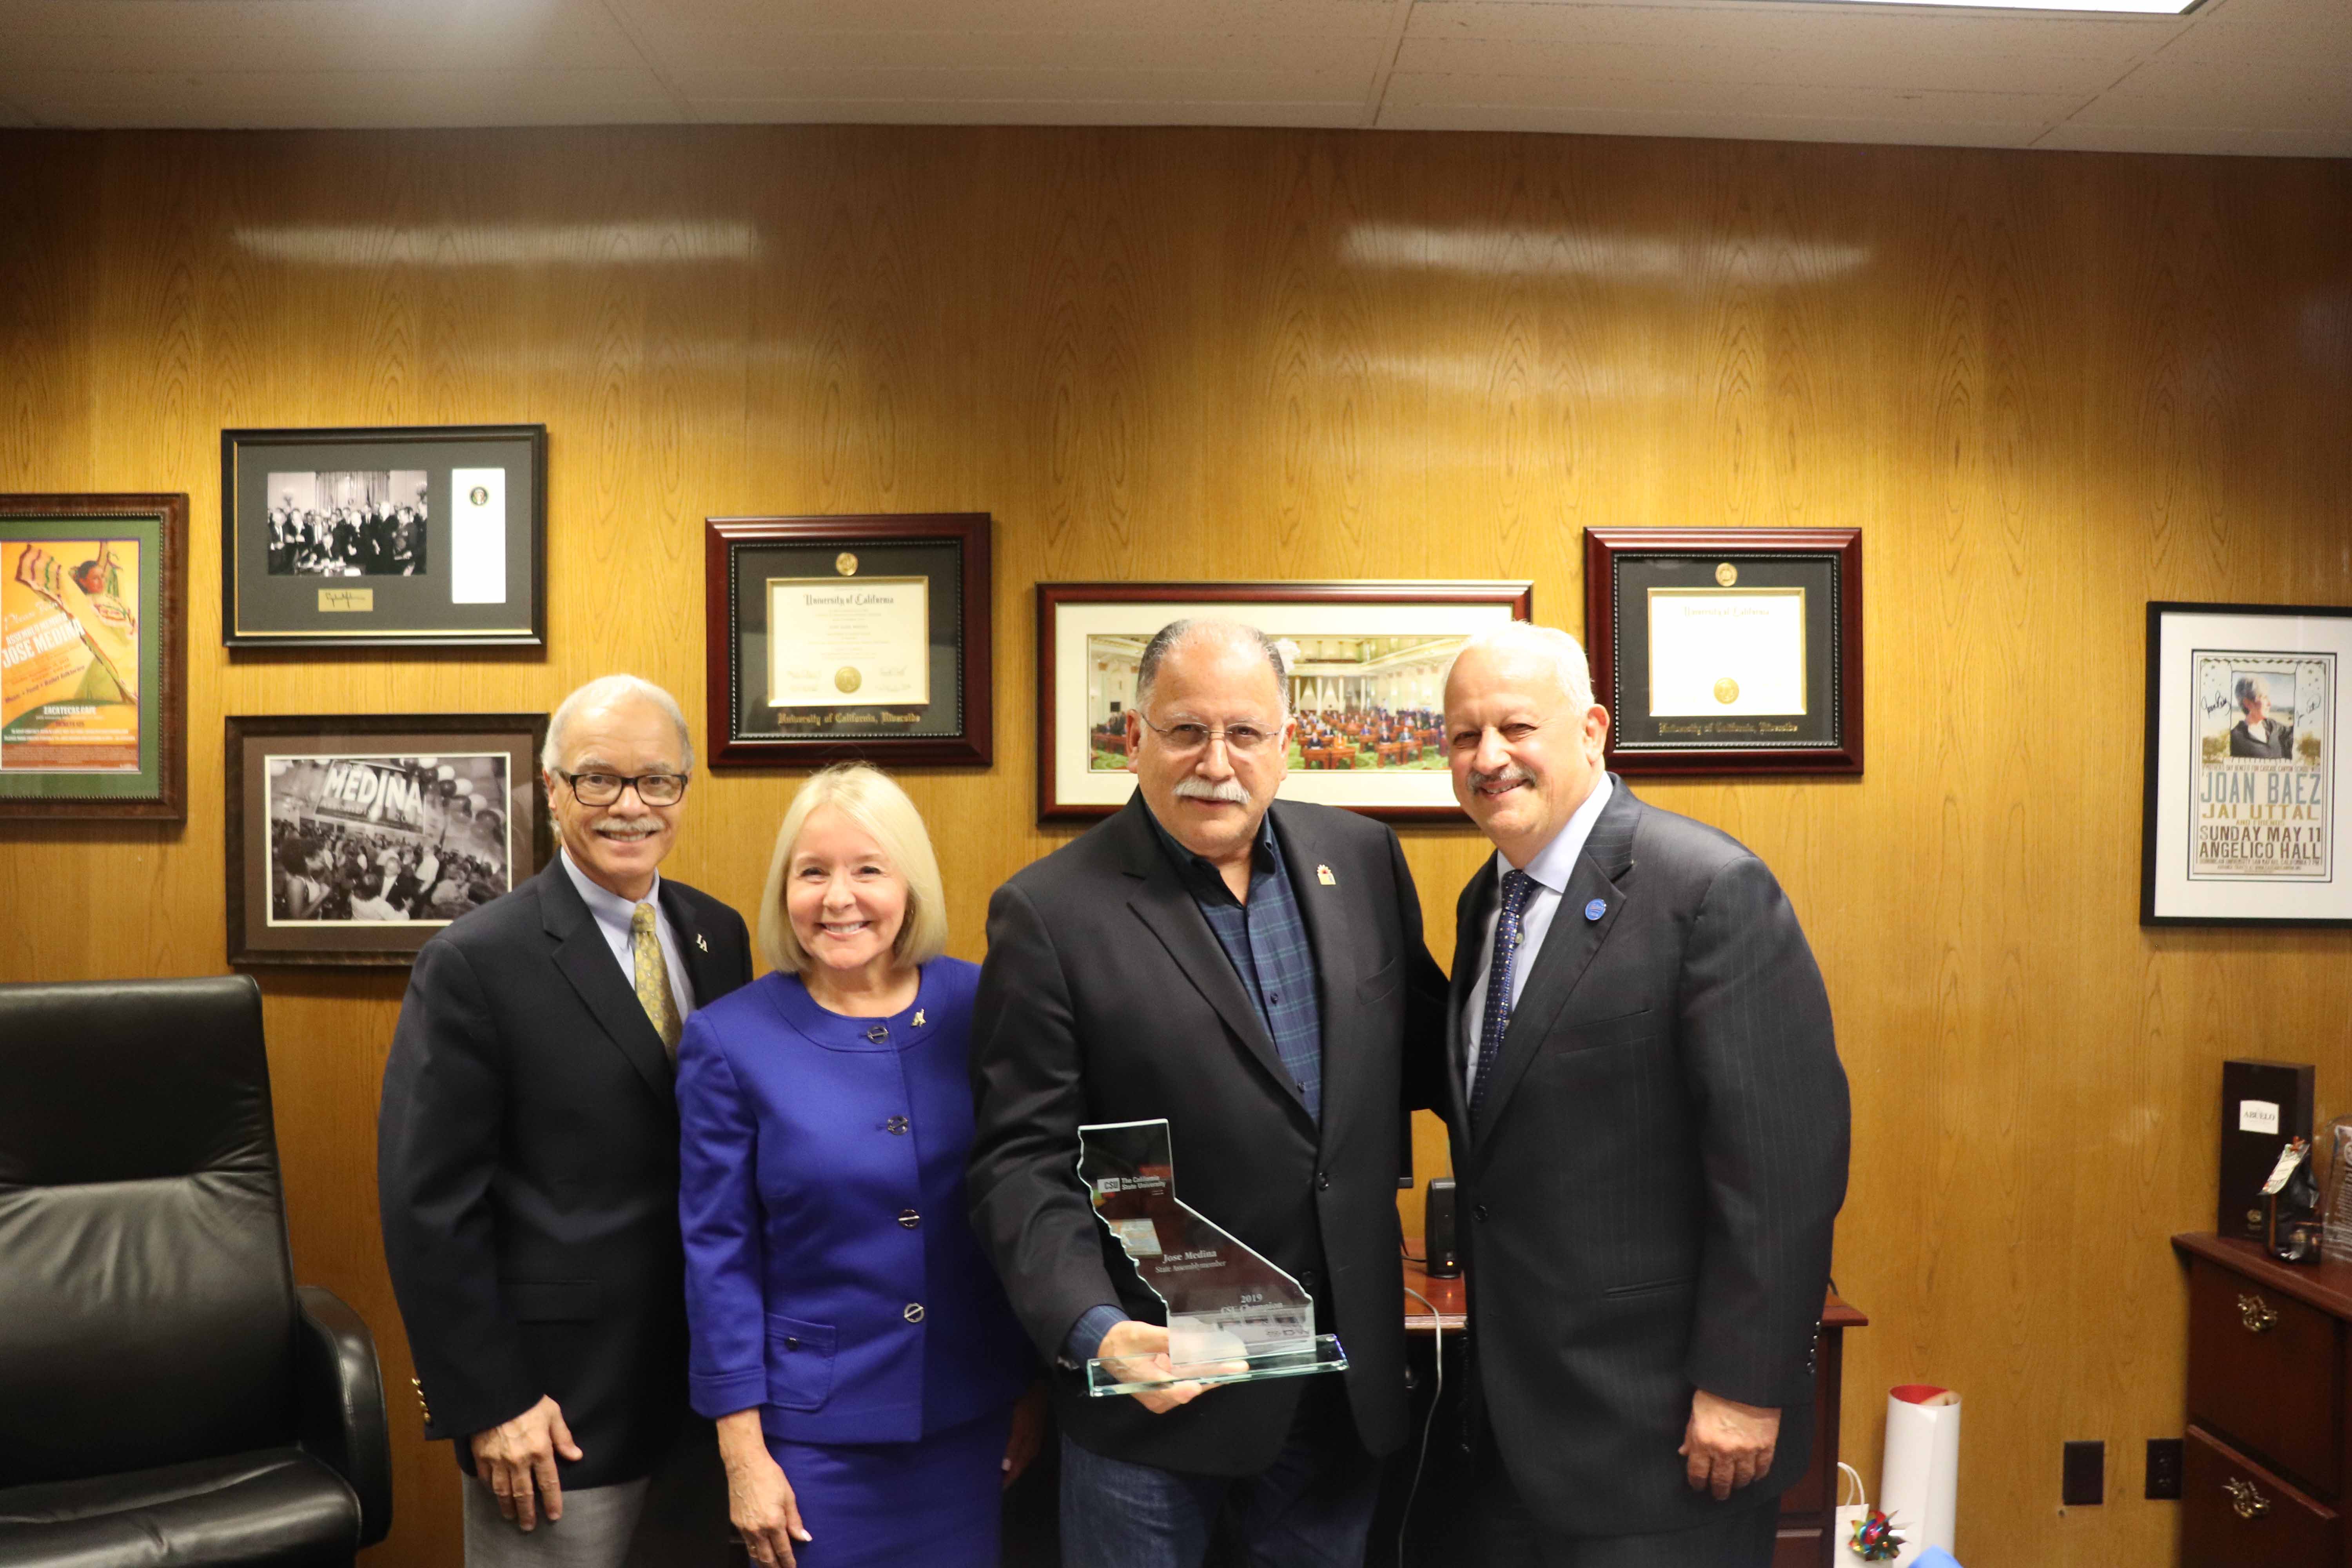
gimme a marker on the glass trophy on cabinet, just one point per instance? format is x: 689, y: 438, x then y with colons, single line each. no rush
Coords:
x: 1233, y: 1316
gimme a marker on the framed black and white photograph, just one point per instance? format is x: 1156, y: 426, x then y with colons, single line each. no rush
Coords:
x: 1366, y: 664
x: 1726, y: 650
x: 840, y: 638
x: 352, y: 839
x: 2239, y: 826
x: 431, y: 536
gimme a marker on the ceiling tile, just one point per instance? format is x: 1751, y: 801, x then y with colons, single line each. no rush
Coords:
x: 1296, y: 18
x: 2077, y: 137
x: 303, y: 99
x: 1704, y: 58
x: 1107, y: 85
x: 1413, y: 90
x: 1800, y: 26
x: 1907, y: 131
x: 806, y: 52
x: 1008, y: 111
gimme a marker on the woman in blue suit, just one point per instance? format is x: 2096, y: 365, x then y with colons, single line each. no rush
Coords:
x: 849, y: 1336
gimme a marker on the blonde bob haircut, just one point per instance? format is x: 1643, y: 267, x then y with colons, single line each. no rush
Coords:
x: 872, y: 799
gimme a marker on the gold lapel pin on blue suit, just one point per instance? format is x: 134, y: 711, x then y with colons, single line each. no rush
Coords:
x: 918, y: 1019
x: 1323, y: 875
x: 1596, y: 909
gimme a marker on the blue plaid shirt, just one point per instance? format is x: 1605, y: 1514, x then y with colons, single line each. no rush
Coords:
x: 1265, y: 941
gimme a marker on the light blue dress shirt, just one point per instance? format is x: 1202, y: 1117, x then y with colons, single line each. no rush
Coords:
x: 615, y: 917
x: 1551, y: 869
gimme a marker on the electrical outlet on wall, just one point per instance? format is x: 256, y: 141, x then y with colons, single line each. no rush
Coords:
x: 2085, y: 1482
x: 2164, y: 1463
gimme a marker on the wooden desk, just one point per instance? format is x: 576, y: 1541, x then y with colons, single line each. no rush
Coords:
x: 2268, y: 1472
x: 1809, y: 1509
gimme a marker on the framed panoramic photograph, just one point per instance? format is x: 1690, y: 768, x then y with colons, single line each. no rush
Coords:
x: 352, y: 838
x: 1367, y: 663
x: 431, y: 536
x: 1726, y: 650
x: 832, y: 638
x: 2240, y: 823
x: 93, y: 643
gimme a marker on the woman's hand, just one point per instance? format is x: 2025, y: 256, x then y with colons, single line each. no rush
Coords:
x: 1028, y: 1432
x: 760, y: 1502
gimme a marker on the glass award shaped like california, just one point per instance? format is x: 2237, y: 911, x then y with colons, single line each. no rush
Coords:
x: 1233, y: 1316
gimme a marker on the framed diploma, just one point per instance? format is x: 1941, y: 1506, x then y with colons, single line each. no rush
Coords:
x: 93, y: 642
x: 1726, y: 650
x: 1366, y: 663
x: 837, y: 638
x: 352, y: 838
x: 431, y: 536
x: 2244, y: 773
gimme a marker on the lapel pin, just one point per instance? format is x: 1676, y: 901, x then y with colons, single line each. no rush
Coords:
x: 1323, y: 875
x: 918, y: 1017
x: 1596, y: 909
x: 699, y: 943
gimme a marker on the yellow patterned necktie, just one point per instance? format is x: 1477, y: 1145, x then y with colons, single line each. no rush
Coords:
x: 653, y: 994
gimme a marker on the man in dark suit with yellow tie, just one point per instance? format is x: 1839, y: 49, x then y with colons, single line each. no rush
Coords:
x: 1650, y: 1137
x: 528, y: 1165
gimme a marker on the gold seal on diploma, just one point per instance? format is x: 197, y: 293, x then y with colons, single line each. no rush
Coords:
x: 1727, y: 690
x: 1726, y: 575
x: 846, y: 564
x: 847, y: 679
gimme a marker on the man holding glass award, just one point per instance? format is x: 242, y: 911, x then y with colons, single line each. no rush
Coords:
x: 1196, y: 1032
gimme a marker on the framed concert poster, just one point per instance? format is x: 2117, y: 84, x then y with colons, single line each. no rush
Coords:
x: 352, y: 838
x: 2240, y: 823
x: 93, y: 642
x: 832, y: 638
x: 427, y: 536
x: 1366, y: 664
x: 1726, y: 650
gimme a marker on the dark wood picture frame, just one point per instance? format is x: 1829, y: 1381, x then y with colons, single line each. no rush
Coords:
x: 1613, y: 645
x: 1055, y: 802
x: 520, y: 736
x: 167, y: 800
x: 965, y: 739
x: 2153, y: 846
x: 234, y: 604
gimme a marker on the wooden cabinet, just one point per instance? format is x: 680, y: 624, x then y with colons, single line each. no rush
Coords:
x: 2266, y: 1476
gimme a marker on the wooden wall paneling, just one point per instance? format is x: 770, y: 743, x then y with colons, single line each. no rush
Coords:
x: 2048, y: 387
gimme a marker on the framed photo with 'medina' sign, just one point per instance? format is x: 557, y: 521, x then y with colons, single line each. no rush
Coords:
x: 352, y: 838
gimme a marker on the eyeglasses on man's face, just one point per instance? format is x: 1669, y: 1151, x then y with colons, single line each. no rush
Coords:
x: 1188, y: 737
x: 603, y: 789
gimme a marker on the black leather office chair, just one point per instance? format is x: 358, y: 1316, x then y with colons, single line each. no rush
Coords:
x: 166, y: 1394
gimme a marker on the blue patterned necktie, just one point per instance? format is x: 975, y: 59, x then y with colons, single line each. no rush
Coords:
x: 1496, y: 1019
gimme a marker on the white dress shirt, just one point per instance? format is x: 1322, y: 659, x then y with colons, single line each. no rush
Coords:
x: 1551, y: 869
x: 614, y: 915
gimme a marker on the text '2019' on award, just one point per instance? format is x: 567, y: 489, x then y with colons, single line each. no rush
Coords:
x: 1233, y: 1316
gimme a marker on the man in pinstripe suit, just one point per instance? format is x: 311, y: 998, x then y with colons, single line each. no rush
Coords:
x: 1650, y: 1136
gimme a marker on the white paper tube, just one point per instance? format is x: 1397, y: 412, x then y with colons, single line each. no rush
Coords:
x: 1919, y: 1481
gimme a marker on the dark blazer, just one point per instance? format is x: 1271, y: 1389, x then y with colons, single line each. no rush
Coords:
x: 526, y: 1170
x: 1651, y: 1183
x: 1107, y: 998
x: 823, y: 1193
